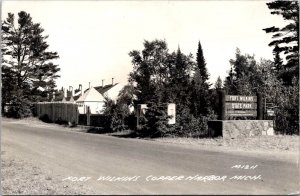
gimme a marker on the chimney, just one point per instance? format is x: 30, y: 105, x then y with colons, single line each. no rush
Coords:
x: 112, y: 81
x: 102, y: 82
x: 70, y: 91
x: 80, y: 88
x: 65, y: 92
x: 89, y: 85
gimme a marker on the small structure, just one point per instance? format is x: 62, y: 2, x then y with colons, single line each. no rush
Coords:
x: 91, y: 99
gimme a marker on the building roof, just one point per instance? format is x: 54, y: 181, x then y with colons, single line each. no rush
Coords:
x: 104, y: 89
x: 90, y: 95
x: 70, y: 99
x: 76, y: 97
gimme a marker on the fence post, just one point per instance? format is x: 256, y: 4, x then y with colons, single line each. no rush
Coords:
x: 52, y: 112
x: 77, y: 114
x: 65, y: 116
x: 88, y: 116
x: 37, y: 109
x: 260, y: 112
x: 221, y: 105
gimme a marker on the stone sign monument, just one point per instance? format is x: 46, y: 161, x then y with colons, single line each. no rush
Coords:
x: 233, y: 106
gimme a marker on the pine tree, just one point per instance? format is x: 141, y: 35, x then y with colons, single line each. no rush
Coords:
x: 201, y: 85
x: 27, y: 62
x: 243, y: 77
x: 181, y: 78
x: 230, y: 82
x: 201, y: 64
x: 277, y: 60
x: 286, y: 39
x: 219, y: 84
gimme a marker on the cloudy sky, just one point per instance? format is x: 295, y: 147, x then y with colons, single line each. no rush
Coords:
x: 94, y: 38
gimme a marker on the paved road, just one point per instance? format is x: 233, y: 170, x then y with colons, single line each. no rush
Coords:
x: 67, y: 153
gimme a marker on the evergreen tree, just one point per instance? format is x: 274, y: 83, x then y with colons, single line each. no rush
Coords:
x: 229, y: 83
x: 286, y: 39
x: 201, y: 97
x: 180, y: 79
x: 201, y: 64
x: 28, y: 66
x: 219, y: 84
x: 149, y: 71
x: 243, y: 78
x: 277, y: 60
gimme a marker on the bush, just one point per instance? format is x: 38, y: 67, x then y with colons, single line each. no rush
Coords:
x: 155, y: 122
x: 116, y: 113
x: 189, y: 126
x: 19, y: 108
x: 130, y: 121
x: 287, y: 113
x: 45, y: 118
x: 82, y: 119
x: 60, y: 121
x: 99, y: 120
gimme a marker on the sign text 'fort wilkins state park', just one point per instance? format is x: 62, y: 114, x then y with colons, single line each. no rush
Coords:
x: 236, y: 105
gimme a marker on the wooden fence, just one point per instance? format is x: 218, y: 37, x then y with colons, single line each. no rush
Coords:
x: 58, y: 111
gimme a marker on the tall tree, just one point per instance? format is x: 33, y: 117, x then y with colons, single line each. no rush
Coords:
x: 28, y: 62
x: 229, y: 83
x: 149, y: 71
x: 180, y: 79
x: 286, y: 39
x: 201, y: 85
x: 243, y: 78
x: 201, y: 64
x: 158, y: 75
x: 219, y: 84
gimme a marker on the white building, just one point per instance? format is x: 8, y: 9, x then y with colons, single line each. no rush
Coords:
x: 91, y: 99
x: 111, y: 91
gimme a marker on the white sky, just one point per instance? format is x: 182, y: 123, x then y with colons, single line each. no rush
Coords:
x: 94, y: 38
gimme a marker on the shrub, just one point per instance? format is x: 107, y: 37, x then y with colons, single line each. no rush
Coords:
x: 287, y: 113
x: 130, y: 121
x: 116, y: 113
x: 60, y: 121
x: 45, y: 118
x: 187, y: 125
x: 19, y: 108
x: 116, y: 122
x: 100, y: 120
x: 155, y: 122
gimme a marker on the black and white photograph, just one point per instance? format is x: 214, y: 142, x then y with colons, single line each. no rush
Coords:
x: 163, y: 97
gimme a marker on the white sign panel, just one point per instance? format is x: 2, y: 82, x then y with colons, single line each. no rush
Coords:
x: 172, y: 113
